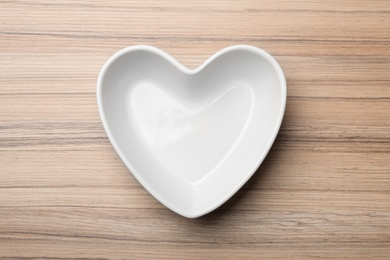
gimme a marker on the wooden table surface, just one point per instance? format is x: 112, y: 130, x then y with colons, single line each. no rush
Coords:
x: 323, y: 190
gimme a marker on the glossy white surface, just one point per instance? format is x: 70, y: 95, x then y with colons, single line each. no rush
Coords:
x: 192, y: 138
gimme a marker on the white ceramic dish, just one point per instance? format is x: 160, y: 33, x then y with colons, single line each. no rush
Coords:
x: 192, y: 138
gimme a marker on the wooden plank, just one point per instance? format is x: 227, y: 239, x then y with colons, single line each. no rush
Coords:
x: 322, y: 192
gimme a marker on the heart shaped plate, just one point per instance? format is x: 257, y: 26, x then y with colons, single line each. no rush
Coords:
x: 192, y: 138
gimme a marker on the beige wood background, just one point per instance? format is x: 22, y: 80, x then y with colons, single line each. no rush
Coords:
x: 323, y: 190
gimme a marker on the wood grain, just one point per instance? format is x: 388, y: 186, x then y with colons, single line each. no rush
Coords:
x: 322, y: 192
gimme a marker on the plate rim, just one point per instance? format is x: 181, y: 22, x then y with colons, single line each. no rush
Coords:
x: 260, y: 52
